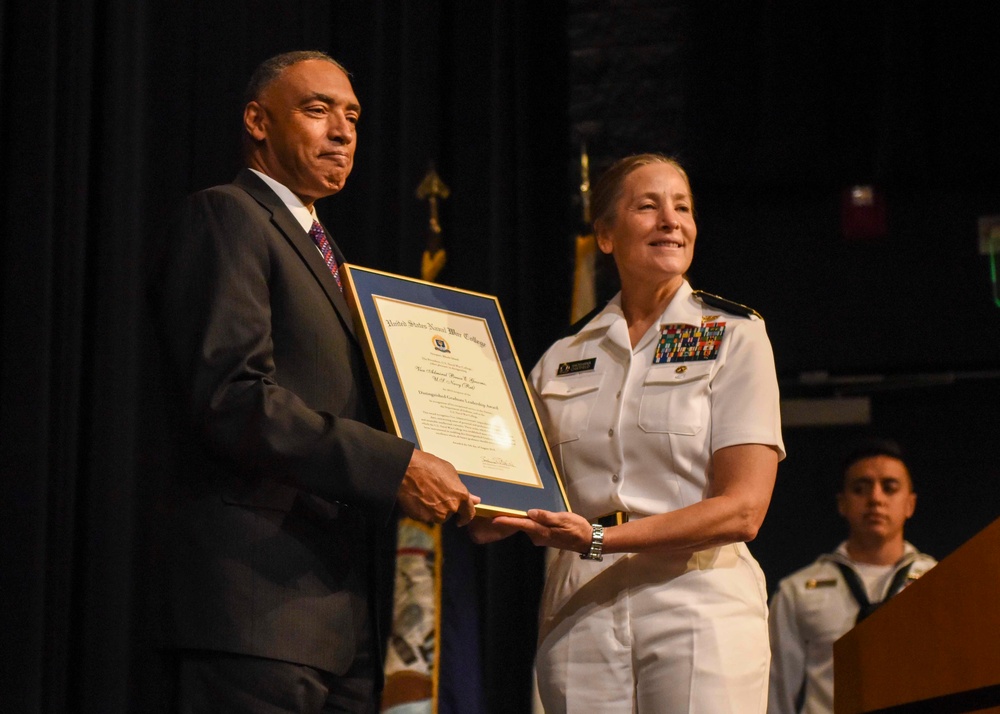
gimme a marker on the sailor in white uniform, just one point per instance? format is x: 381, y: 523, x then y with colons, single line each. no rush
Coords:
x: 813, y: 607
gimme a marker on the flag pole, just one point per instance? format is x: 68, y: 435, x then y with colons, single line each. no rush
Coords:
x: 584, y: 297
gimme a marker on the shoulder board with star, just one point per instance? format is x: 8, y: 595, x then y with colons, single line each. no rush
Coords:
x: 729, y: 306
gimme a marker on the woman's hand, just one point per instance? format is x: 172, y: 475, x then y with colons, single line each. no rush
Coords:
x: 566, y: 531
x: 484, y: 530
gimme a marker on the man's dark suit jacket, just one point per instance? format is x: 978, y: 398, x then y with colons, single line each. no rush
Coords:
x: 281, y: 473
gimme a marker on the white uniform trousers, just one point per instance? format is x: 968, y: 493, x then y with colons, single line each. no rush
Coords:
x: 654, y: 634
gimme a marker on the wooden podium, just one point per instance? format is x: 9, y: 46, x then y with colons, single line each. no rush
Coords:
x: 935, y: 647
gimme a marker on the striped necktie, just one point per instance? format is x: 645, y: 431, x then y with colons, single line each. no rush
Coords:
x: 319, y: 238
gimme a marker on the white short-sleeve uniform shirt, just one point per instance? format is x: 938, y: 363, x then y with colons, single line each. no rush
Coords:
x: 634, y: 430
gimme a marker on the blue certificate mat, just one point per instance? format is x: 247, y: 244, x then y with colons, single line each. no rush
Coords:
x: 448, y: 379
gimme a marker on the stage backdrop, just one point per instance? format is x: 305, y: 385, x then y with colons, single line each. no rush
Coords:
x: 111, y: 111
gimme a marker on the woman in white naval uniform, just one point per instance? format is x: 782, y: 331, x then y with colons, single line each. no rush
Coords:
x: 663, y: 408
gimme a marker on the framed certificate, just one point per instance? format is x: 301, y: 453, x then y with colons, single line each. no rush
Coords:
x: 448, y: 379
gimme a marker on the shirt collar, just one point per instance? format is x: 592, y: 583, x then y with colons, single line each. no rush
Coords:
x: 303, y: 215
x: 908, y: 549
x: 681, y: 309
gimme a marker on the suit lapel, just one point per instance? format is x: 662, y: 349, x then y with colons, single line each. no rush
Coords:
x: 285, y: 222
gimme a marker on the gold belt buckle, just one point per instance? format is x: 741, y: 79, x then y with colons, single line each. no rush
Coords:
x: 613, y: 519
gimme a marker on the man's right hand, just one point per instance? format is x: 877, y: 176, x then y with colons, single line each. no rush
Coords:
x: 432, y: 491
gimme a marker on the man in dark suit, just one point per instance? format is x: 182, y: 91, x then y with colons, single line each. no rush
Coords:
x: 281, y: 473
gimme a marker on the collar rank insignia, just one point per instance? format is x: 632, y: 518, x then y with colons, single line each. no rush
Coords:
x: 813, y: 583
x: 689, y: 343
x: 580, y: 365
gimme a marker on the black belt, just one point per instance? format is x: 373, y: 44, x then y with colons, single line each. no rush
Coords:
x: 613, y: 519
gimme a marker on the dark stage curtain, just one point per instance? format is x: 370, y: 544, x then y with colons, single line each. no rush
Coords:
x: 110, y: 112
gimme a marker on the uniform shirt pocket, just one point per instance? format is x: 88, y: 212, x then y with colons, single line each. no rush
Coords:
x: 570, y: 402
x: 675, y: 398
x: 824, y: 616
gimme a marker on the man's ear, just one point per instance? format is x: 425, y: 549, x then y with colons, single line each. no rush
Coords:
x: 840, y: 504
x: 911, y: 504
x: 254, y: 121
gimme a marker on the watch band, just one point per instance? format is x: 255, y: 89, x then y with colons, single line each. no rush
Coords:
x: 596, y: 544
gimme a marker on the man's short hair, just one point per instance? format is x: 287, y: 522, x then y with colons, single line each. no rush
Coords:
x: 869, y: 447
x: 268, y: 70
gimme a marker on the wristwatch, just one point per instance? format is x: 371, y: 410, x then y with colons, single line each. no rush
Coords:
x: 596, y: 544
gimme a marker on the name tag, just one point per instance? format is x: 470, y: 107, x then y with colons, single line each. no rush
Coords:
x: 689, y: 343
x: 580, y: 365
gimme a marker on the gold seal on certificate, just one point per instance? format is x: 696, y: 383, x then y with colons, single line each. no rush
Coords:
x: 449, y: 380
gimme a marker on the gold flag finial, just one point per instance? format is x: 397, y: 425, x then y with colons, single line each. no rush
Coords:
x: 585, y: 183
x: 431, y: 189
